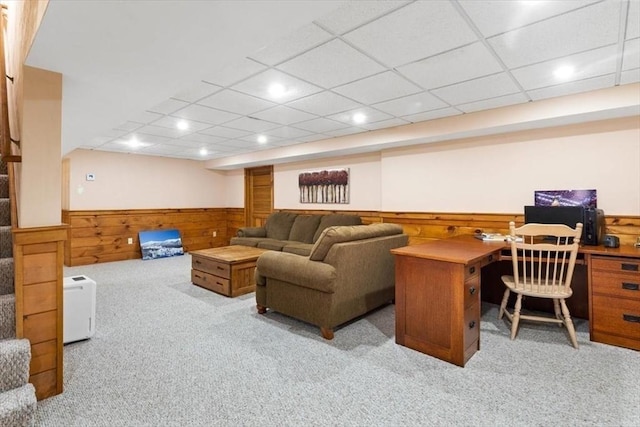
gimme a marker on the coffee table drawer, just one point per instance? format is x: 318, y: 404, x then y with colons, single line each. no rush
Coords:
x: 210, y: 266
x: 211, y: 282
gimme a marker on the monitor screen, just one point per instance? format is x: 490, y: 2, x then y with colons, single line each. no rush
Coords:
x: 567, y: 215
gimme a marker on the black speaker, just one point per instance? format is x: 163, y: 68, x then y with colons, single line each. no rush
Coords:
x: 593, y: 226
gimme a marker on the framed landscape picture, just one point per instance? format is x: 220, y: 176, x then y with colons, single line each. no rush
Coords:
x: 160, y: 244
x: 324, y: 186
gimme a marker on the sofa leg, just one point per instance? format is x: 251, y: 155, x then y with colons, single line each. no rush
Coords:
x: 327, y: 333
x: 261, y: 309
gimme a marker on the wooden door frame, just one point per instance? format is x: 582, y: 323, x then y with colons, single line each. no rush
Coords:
x: 248, y: 205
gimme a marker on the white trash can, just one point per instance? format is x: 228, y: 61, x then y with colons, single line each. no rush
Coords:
x: 79, y: 308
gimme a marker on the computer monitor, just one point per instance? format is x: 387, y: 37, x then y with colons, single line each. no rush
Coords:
x: 567, y: 215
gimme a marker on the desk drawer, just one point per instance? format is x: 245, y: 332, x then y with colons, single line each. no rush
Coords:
x: 211, y: 282
x: 472, y: 291
x: 615, y: 284
x: 210, y: 266
x: 616, y: 316
x: 471, y: 324
x: 629, y: 266
x: 472, y: 270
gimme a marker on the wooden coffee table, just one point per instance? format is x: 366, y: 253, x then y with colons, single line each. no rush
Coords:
x: 228, y: 270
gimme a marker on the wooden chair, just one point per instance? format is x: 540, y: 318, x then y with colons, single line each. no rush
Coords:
x: 543, y: 256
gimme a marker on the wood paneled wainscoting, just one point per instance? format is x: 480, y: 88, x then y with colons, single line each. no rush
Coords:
x: 38, y: 254
x: 102, y: 235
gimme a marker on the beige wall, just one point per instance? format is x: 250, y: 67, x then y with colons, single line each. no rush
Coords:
x: 493, y: 174
x: 40, y: 198
x: 128, y: 181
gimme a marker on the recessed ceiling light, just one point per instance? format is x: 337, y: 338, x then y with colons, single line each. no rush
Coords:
x: 277, y: 90
x: 564, y: 72
x: 262, y: 139
x: 134, y: 143
x: 204, y: 152
x: 182, y: 125
x: 359, y: 118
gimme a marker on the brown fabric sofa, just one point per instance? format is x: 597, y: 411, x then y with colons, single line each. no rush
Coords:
x: 290, y: 232
x: 349, y: 272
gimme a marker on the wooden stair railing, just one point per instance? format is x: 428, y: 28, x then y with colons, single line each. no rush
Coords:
x: 9, y: 148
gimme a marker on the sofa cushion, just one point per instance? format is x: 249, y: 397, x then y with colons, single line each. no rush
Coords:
x: 333, y: 220
x: 272, y: 244
x: 246, y: 241
x: 339, y: 234
x: 279, y: 225
x: 252, y: 232
x: 303, y: 249
x: 304, y: 228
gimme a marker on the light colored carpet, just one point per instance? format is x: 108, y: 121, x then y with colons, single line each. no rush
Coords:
x: 168, y: 353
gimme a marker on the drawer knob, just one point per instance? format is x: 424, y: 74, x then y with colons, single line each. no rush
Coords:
x: 472, y: 324
x: 490, y: 258
x: 629, y: 267
x: 472, y: 290
x: 630, y: 286
x: 631, y: 318
x: 197, y: 262
x: 472, y: 270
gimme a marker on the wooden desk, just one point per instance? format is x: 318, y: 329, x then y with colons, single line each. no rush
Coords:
x: 438, y: 295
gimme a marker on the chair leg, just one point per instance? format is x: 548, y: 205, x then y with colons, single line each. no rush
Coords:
x: 556, y: 308
x: 516, y: 316
x: 503, y: 306
x: 569, y: 324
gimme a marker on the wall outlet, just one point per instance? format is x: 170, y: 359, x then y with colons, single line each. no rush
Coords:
x: 215, y: 234
x: 130, y: 240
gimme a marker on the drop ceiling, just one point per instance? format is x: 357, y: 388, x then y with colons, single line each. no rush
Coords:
x: 136, y: 71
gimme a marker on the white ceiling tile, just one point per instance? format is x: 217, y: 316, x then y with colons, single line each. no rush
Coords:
x: 353, y: 14
x: 324, y: 103
x: 185, y: 143
x: 378, y: 88
x: 412, y: 104
x: 160, y: 131
x: 196, y: 92
x: 205, y: 114
x: 370, y: 114
x: 345, y: 131
x: 236, y: 102
x: 162, y: 149
x: 238, y: 144
x: 225, y: 132
x: 169, y: 106
x: 560, y: 36
x: 413, y: 32
x: 384, y: 124
x: 588, y: 64
x: 631, y: 56
x: 293, y: 44
x: 476, y: 90
x: 172, y: 122
x: 233, y: 73
x: 320, y: 125
x: 146, y: 117
x: 465, y: 63
x: 500, y: 101
x: 115, y: 146
x: 114, y: 133
x: 332, y: 64
x: 202, y: 138
x: 432, y: 115
x: 129, y: 126
x: 284, y: 115
x: 312, y: 137
x: 287, y: 132
x: 494, y: 17
x: 288, y: 142
x: 254, y: 139
x: 250, y: 124
x: 573, y: 87
x: 259, y: 86
x: 97, y: 141
x: 150, y: 139
x: 630, y: 76
x: 633, y: 20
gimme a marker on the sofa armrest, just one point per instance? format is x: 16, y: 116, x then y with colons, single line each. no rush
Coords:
x: 297, y: 270
x: 252, y: 232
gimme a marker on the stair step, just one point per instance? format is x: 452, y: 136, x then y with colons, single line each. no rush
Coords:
x: 5, y: 212
x: 6, y: 242
x: 6, y: 276
x: 15, y: 356
x: 4, y: 186
x: 3, y: 168
x: 18, y: 406
x: 7, y: 316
